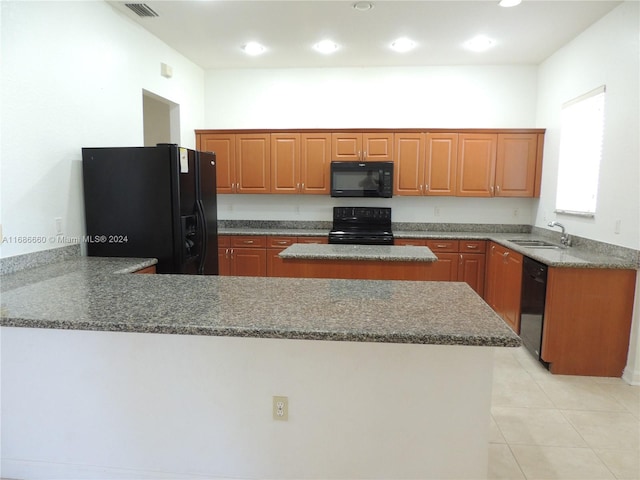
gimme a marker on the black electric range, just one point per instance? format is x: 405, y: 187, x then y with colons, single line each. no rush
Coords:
x: 361, y: 226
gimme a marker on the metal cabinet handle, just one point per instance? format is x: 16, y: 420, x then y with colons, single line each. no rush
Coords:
x: 440, y: 245
x: 248, y: 242
x: 303, y: 186
x: 498, y: 188
x: 426, y: 187
x: 491, y: 189
x: 282, y: 242
x: 472, y: 247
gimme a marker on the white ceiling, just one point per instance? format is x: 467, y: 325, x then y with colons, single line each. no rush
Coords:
x: 211, y: 32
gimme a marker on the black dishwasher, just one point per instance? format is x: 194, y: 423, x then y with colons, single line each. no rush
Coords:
x: 534, y: 291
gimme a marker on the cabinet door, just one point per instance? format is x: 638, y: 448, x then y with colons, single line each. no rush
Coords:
x: 511, y: 285
x: 224, y: 146
x: 471, y: 270
x: 224, y: 261
x: 315, y: 163
x: 377, y: 147
x: 493, y: 272
x: 476, y: 164
x: 516, y: 165
x: 346, y: 146
x: 445, y: 269
x: 253, y: 163
x: 285, y: 163
x: 441, y: 163
x: 408, y: 159
x: 249, y: 262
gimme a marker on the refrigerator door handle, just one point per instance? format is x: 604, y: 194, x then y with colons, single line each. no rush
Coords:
x: 203, y: 237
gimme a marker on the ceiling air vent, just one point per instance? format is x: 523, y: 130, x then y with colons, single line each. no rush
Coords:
x: 141, y: 9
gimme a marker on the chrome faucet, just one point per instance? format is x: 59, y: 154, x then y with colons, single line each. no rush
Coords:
x: 565, y: 239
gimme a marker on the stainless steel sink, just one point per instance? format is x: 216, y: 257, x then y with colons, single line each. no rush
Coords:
x: 534, y: 243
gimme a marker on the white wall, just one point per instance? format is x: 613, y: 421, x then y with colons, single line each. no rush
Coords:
x: 608, y: 54
x: 436, y: 97
x: 72, y: 76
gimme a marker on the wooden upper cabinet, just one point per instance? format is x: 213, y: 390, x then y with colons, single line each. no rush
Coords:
x: 224, y: 146
x: 377, y: 146
x: 346, y: 146
x: 470, y: 163
x: 476, y: 164
x: 354, y: 146
x: 285, y: 163
x: 441, y: 163
x: 409, y: 163
x: 516, y: 165
x: 300, y: 163
x: 253, y: 163
x: 315, y: 163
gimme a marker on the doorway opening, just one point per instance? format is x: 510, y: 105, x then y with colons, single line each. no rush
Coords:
x: 161, y: 120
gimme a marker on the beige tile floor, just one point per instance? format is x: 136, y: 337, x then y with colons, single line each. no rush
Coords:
x: 561, y: 427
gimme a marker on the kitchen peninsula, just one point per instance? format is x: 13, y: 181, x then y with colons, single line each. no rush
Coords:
x: 176, y: 374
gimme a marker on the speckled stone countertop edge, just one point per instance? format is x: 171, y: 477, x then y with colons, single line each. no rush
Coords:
x: 283, y: 334
x: 139, y: 265
x: 384, y: 253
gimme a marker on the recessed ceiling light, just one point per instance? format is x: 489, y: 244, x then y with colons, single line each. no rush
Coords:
x: 479, y: 43
x: 363, y: 6
x: 326, y: 46
x: 509, y: 3
x: 253, y: 48
x: 403, y: 44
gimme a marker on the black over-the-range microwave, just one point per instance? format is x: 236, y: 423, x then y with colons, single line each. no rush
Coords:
x: 362, y: 179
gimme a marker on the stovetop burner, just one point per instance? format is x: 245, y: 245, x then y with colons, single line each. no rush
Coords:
x: 361, y: 225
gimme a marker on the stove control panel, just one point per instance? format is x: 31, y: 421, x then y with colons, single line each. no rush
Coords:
x: 362, y: 215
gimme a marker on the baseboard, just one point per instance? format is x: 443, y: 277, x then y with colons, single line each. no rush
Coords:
x: 58, y: 471
x: 632, y: 377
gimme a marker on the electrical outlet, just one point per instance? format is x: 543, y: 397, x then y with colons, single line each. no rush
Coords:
x: 516, y: 212
x: 616, y: 228
x: 436, y: 211
x: 281, y: 408
x: 58, y: 225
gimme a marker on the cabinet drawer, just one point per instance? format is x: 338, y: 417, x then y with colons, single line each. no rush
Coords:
x: 313, y: 239
x: 224, y: 241
x: 473, y: 246
x: 443, y: 245
x: 415, y: 242
x: 249, y: 241
x: 280, y: 242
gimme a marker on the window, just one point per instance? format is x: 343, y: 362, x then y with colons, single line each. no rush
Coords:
x: 581, y: 130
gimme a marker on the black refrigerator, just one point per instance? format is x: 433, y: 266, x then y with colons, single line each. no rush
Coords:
x: 155, y: 202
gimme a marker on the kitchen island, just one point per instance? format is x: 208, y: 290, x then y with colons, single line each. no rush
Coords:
x: 107, y: 374
x: 382, y: 262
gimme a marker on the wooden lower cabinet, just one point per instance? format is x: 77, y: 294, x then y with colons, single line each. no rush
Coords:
x: 242, y: 255
x: 504, y: 283
x: 455, y: 262
x: 587, y: 320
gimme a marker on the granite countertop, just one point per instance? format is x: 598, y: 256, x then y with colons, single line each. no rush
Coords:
x: 95, y: 294
x: 571, y: 257
x: 386, y: 253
